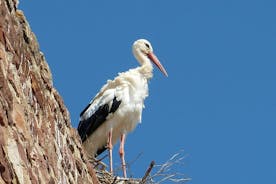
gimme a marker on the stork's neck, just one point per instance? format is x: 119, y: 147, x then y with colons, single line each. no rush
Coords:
x: 146, y: 67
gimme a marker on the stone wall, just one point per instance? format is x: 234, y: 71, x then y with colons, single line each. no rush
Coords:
x: 37, y: 142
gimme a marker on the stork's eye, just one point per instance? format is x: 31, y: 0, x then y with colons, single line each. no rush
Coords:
x: 147, y: 45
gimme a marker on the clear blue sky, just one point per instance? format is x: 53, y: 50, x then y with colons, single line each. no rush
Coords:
x: 218, y: 103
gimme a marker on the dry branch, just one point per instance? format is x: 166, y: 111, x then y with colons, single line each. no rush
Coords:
x: 167, y: 172
x: 144, y: 179
x: 164, y: 173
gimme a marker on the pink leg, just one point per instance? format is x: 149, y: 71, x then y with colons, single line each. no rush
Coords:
x: 122, y: 153
x: 110, y: 147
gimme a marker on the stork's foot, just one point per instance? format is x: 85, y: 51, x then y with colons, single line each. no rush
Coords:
x: 110, y: 148
x: 122, y: 154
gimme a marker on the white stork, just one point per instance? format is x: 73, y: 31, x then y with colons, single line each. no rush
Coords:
x: 117, y: 108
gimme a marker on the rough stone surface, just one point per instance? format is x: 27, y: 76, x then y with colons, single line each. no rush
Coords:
x: 37, y: 142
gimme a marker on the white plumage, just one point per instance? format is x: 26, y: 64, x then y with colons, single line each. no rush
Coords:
x: 131, y: 89
x: 117, y: 108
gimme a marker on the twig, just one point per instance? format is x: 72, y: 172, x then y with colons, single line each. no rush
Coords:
x: 155, y: 173
x: 167, y: 172
x: 135, y: 159
x: 144, y: 179
x: 96, y: 163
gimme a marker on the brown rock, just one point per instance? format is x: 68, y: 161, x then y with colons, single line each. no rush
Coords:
x: 37, y: 142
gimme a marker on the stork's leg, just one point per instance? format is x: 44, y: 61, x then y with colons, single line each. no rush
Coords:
x: 122, y: 153
x: 110, y: 147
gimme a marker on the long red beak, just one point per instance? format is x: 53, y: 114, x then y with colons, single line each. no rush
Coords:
x: 156, y: 61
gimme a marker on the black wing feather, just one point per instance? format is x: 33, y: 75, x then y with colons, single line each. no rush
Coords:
x: 83, y: 111
x: 88, y: 126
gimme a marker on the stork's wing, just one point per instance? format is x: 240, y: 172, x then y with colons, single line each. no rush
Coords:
x: 105, y: 103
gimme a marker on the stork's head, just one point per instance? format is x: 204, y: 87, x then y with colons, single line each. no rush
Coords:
x: 143, y: 52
